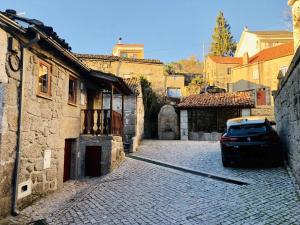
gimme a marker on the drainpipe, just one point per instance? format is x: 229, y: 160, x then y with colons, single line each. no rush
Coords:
x: 15, y: 210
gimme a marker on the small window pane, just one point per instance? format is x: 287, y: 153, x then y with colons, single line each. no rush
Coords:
x: 174, y: 92
x: 72, y: 90
x: 44, y: 84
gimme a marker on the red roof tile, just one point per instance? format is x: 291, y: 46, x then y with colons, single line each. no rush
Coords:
x: 226, y: 60
x: 273, y: 53
x: 218, y: 100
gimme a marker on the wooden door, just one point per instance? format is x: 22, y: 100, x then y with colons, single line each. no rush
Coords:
x: 261, y: 97
x: 92, y: 161
x: 67, y: 159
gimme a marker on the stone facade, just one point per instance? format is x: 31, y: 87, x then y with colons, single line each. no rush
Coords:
x: 287, y: 113
x: 153, y: 72
x: 168, y: 123
x: 47, y: 122
x: 133, y: 129
x: 287, y: 102
x: 112, y: 152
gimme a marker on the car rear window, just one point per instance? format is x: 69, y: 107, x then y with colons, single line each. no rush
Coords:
x: 249, y: 129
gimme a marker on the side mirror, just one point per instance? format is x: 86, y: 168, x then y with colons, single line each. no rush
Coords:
x: 272, y: 123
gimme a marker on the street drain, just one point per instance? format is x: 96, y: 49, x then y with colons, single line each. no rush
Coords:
x: 187, y: 170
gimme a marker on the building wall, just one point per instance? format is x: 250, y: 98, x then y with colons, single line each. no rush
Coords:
x: 247, y: 44
x: 131, y: 51
x: 217, y: 74
x: 46, y: 123
x: 133, y: 118
x: 252, y: 43
x: 176, y: 81
x: 153, y: 72
x: 287, y: 113
x: 243, y: 79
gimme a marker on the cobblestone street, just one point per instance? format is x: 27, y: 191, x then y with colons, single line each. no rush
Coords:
x: 143, y: 193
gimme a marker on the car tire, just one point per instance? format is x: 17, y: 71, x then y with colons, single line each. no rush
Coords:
x: 225, y: 162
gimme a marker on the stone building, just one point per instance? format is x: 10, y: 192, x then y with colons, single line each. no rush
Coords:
x: 124, y: 67
x: 287, y: 101
x: 258, y: 76
x: 203, y: 117
x: 133, y: 113
x: 52, y: 123
x: 218, y: 70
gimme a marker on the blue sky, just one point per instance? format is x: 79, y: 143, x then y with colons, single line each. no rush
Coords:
x: 169, y: 29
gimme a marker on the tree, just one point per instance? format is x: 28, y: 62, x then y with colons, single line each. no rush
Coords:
x: 195, y: 86
x: 190, y: 65
x: 223, y: 43
x: 152, y: 105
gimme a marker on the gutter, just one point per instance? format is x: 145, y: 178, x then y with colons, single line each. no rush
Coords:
x: 15, y: 210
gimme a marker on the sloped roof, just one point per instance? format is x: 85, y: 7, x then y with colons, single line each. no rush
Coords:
x: 116, y: 58
x: 218, y: 100
x: 273, y: 53
x: 226, y: 60
x: 134, y: 84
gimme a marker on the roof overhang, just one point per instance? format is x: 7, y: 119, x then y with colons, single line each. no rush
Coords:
x: 107, y: 81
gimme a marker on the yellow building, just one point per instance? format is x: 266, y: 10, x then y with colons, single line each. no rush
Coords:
x: 259, y: 75
x: 252, y: 42
x: 135, y: 51
x: 128, y: 61
x: 218, y: 69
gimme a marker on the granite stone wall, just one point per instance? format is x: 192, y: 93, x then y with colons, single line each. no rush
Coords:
x: 287, y: 114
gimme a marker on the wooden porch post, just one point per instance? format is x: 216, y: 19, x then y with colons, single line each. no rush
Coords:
x: 111, y: 109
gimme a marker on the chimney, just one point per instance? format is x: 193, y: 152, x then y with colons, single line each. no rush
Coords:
x: 245, y: 58
x: 120, y: 40
x: 295, y: 5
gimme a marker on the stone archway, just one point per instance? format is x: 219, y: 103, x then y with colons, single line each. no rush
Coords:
x: 168, y: 123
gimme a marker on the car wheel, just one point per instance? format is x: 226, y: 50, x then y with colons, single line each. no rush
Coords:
x: 225, y: 162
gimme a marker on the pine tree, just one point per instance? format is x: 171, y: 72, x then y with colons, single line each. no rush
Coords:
x: 223, y: 43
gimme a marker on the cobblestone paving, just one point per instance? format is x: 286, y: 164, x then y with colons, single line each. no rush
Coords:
x: 143, y: 193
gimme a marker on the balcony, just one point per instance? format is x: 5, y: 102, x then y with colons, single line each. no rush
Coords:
x: 99, y: 122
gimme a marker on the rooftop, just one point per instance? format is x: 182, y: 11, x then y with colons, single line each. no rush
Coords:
x: 272, y: 32
x: 218, y: 100
x: 226, y: 60
x: 116, y: 58
x: 273, y: 53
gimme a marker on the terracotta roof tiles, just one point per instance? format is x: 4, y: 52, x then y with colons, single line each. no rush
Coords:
x: 273, y: 53
x: 218, y: 100
x: 226, y: 60
x: 116, y: 58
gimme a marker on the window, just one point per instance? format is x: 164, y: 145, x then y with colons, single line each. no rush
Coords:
x: 248, y: 129
x: 72, y: 89
x: 255, y: 75
x: 44, y: 80
x: 124, y: 55
x: 174, y: 92
x: 284, y: 70
x: 228, y: 70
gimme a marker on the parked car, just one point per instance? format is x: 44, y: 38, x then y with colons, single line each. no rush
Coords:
x: 250, y: 139
x: 212, y: 90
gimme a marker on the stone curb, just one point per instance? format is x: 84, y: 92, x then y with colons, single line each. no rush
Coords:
x: 189, y: 170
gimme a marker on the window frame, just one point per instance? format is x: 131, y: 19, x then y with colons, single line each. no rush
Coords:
x: 76, y: 81
x: 47, y: 94
x: 174, y: 88
x: 255, y: 74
